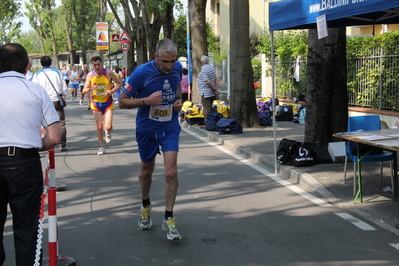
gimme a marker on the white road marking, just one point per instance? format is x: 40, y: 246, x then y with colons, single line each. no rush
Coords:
x: 362, y: 225
x: 395, y: 245
x: 262, y: 170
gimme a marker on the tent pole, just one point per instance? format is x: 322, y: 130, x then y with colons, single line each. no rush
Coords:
x: 273, y: 102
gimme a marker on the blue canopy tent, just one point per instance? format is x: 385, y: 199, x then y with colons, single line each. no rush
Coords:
x: 302, y: 14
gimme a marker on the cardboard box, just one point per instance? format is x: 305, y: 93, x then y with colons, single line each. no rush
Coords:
x: 337, y: 151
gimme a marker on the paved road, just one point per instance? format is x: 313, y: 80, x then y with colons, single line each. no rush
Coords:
x: 230, y: 211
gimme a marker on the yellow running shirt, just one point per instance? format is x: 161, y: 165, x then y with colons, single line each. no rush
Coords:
x: 103, y: 85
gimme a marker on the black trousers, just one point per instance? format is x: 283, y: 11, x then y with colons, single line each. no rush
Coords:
x: 21, y: 187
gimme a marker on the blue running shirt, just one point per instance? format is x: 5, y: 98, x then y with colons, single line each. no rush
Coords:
x: 147, y: 79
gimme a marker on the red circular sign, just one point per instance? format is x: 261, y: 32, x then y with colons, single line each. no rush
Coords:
x: 125, y: 46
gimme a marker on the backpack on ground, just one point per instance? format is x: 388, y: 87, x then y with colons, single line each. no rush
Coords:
x: 295, y: 119
x: 194, y: 115
x: 302, y: 154
x: 270, y: 101
x: 211, y: 120
x: 265, y: 120
x: 186, y: 105
x: 228, y: 126
x: 291, y: 152
x: 263, y: 108
x: 285, y: 113
x: 284, y: 151
x: 221, y: 107
x: 302, y: 116
x: 321, y: 154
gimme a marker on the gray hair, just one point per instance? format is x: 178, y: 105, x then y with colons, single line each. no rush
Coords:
x: 205, y: 59
x: 166, y: 45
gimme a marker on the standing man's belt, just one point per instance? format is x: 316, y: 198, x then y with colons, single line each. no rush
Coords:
x: 15, y: 151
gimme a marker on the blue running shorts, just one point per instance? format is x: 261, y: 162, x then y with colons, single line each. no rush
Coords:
x: 101, y: 107
x: 149, y: 143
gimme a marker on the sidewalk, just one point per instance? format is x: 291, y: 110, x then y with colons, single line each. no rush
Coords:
x: 325, y: 179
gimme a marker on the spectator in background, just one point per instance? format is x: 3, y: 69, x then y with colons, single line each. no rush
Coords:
x: 124, y: 73
x: 207, y: 85
x: 73, y: 77
x: 51, y: 79
x: 21, y: 175
x: 82, y: 81
x: 117, y: 91
x: 184, y: 84
x: 65, y: 74
x: 29, y: 74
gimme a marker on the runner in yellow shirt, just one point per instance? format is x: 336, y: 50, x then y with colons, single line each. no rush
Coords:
x: 99, y: 83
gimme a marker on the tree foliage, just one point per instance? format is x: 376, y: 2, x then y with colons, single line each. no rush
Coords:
x: 288, y: 45
x: 9, y: 27
x: 30, y: 41
x: 80, y: 18
x: 181, y: 35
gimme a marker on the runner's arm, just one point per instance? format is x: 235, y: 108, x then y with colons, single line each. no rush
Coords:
x: 87, y: 87
x: 126, y: 102
x: 177, y: 105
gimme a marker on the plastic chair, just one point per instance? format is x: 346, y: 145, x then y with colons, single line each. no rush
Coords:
x: 371, y: 122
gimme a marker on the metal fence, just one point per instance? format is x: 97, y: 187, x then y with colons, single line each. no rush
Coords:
x: 222, y: 74
x: 373, y: 80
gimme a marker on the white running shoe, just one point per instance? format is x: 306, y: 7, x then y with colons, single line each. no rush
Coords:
x: 145, y: 221
x: 81, y: 101
x: 170, y: 227
x: 107, y: 136
x: 101, y: 151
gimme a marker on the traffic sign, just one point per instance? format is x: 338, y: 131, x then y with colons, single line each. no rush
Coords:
x: 115, y: 37
x: 125, y: 37
x: 125, y: 46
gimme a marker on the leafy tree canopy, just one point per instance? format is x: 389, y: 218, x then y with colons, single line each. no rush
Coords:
x: 9, y: 27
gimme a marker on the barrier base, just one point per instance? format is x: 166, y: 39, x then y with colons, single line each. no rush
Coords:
x: 62, y: 261
x: 61, y: 187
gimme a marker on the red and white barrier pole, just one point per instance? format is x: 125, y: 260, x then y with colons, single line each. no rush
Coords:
x: 53, y: 258
x: 52, y: 213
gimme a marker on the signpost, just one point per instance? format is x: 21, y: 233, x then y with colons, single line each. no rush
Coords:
x: 125, y: 46
x: 115, y: 37
x: 102, y: 36
x: 125, y: 39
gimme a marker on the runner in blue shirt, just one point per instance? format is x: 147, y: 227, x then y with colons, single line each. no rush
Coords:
x: 157, y: 85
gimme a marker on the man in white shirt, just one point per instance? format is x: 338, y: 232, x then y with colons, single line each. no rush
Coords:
x: 51, y: 79
x: 21, y: 175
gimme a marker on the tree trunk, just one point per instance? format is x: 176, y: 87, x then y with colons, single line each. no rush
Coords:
x: 55, y: 49
x: 169, y: 22
x: 69, y: 40
x: 102, y: 7
x: 198, y: 37
x: 327, y: 99
x: 243, y: 103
